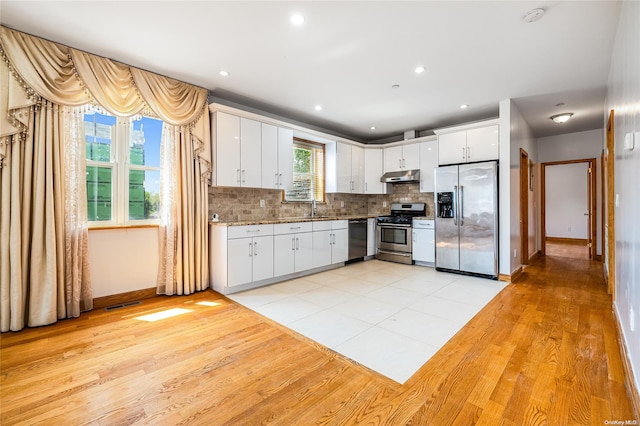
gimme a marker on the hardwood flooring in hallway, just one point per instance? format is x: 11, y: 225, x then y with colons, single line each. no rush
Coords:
x: 544, y: 351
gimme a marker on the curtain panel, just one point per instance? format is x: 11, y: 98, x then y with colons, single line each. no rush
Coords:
x: 40, y: 81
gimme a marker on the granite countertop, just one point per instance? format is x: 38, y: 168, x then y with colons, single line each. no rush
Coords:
x: 288, y: 220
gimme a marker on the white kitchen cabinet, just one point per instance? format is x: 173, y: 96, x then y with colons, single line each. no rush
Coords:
x: 277, y: 157
x: 350, y: 168
x: 373, y: 170
x: 472, y: 145
x: 371, y: 237
x: 293, y: 248
x: 237, y: 150
x: 330, y: 242
x: 428, y: 162
x: 424, y: 244
x: 249, y: 252
x: 402, y: 157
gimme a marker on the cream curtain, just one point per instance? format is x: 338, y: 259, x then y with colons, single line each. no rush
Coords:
x: 39, y: 78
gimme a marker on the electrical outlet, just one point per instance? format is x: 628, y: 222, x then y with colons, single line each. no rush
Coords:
x: 262, y: 203
x: 514, y: 252
x: 341, y: 203
x: 384, y: 204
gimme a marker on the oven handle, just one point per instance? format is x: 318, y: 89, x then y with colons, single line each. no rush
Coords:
x: 455, y: 200
x: 395, y: 253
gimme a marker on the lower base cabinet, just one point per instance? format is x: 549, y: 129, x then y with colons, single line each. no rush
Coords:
x: 292, y: 253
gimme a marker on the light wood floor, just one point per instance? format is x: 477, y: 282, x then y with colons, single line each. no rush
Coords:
x: 544, y: 351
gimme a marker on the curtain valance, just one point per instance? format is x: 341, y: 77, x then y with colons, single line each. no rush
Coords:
x: 71, y: 77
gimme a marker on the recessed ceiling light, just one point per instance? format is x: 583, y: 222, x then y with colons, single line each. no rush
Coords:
x: 224, y: 73
x: 372, y: 127
x: 395, y: 86
x: 318, y: 107
x: 464, y: 106
x: 561, y: 118
x: 419, y: 70
x: 297, y: 19
x: 533, y: 15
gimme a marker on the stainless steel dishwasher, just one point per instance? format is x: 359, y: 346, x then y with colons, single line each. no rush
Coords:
x: 357, y: 240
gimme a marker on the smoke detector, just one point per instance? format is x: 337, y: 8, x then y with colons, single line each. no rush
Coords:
x: 533, y: 15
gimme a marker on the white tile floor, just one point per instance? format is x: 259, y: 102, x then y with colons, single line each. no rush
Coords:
x: 387, y: 316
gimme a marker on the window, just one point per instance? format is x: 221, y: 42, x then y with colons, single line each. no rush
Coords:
x: 308, y: 172
x: 123, y: 169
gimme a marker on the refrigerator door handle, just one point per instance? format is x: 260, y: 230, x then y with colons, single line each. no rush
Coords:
x: 461, y: 205
x: 455, y: 202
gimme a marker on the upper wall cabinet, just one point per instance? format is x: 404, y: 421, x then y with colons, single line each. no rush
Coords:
x: 251, y: 154
x: 237, y: 147
x: 403, y: 157
x: 277, y: 157
x: 373, y: 170
x: 428, y: 162
x: 350, y: 168
x: 468, y: 146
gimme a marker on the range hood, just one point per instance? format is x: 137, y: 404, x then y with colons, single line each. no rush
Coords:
x: 404, y: 176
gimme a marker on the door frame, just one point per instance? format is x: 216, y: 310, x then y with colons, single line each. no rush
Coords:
x: 608, y: 165
x: 524, y: 207
x: 591, y: 203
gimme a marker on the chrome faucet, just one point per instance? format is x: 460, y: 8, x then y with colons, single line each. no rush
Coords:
x: 313, y: 208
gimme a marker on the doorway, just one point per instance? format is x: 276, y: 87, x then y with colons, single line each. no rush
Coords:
x: 569, y: 207
x: 525, y: 184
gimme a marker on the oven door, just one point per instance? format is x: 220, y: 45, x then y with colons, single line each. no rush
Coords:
x: 394, y: 238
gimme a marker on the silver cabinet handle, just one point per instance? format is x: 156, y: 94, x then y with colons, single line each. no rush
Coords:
x: 404, y: 163
x: 366, y: 187
x: 400, y: 162
x: 253, y: 230
x: 275, y: 180
x: 468, y: 152
x: 238, y: 175
x: 297, y: 243
x: 293, y: 243
x: 280, y: 179
x: 244, y: 177
x: 255, y: 248
x: 250, y: 249
x: 463, y: 151
x: 294, y: 227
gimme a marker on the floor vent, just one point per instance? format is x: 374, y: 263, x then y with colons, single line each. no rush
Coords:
x: 121, y: 305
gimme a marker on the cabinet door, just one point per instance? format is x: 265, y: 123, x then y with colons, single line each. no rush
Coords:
x: 269, y: 156
x: 250, y: 153
x: 340, y: 246
x: 321, y: 248
x: 452, y: 148
x: 283, y: 254
x: 371, y: 237
x: 411, y: 156
x: 239, y: 261
x: 482, y: 144
x: 227, y: 167
x: 373, y: 171
x: 392, y: 159
x: 285, y: 158
x: 357, y: 170
x: 428, y: 162
x: 343, y: 167
x: 424, y: 245
x: 304, y: 251
x: 262, y: 258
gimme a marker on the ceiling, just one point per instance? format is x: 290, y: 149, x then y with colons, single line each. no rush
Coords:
x: 348, y: 55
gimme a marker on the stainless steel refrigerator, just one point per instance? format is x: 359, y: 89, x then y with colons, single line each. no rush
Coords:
x: 466, y: 200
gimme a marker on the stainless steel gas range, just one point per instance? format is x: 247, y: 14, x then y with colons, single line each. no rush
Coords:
x: 394, y: 232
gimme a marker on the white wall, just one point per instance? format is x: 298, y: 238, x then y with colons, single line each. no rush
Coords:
x: 566, y: 200
x: 123, y: 260
x: 577, y: 146
x: 623, y: 95
x: 515, y: 134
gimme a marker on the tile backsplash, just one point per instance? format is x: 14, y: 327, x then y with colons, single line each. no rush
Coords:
x: 239, y: 204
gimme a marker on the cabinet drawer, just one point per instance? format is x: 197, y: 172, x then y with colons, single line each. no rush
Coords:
x: 249, y: 231
x: 292, y: 228
x: 322, y: 225
x: 339, y: 224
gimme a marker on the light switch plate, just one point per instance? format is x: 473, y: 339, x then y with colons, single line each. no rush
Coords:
x: 629, y: 141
